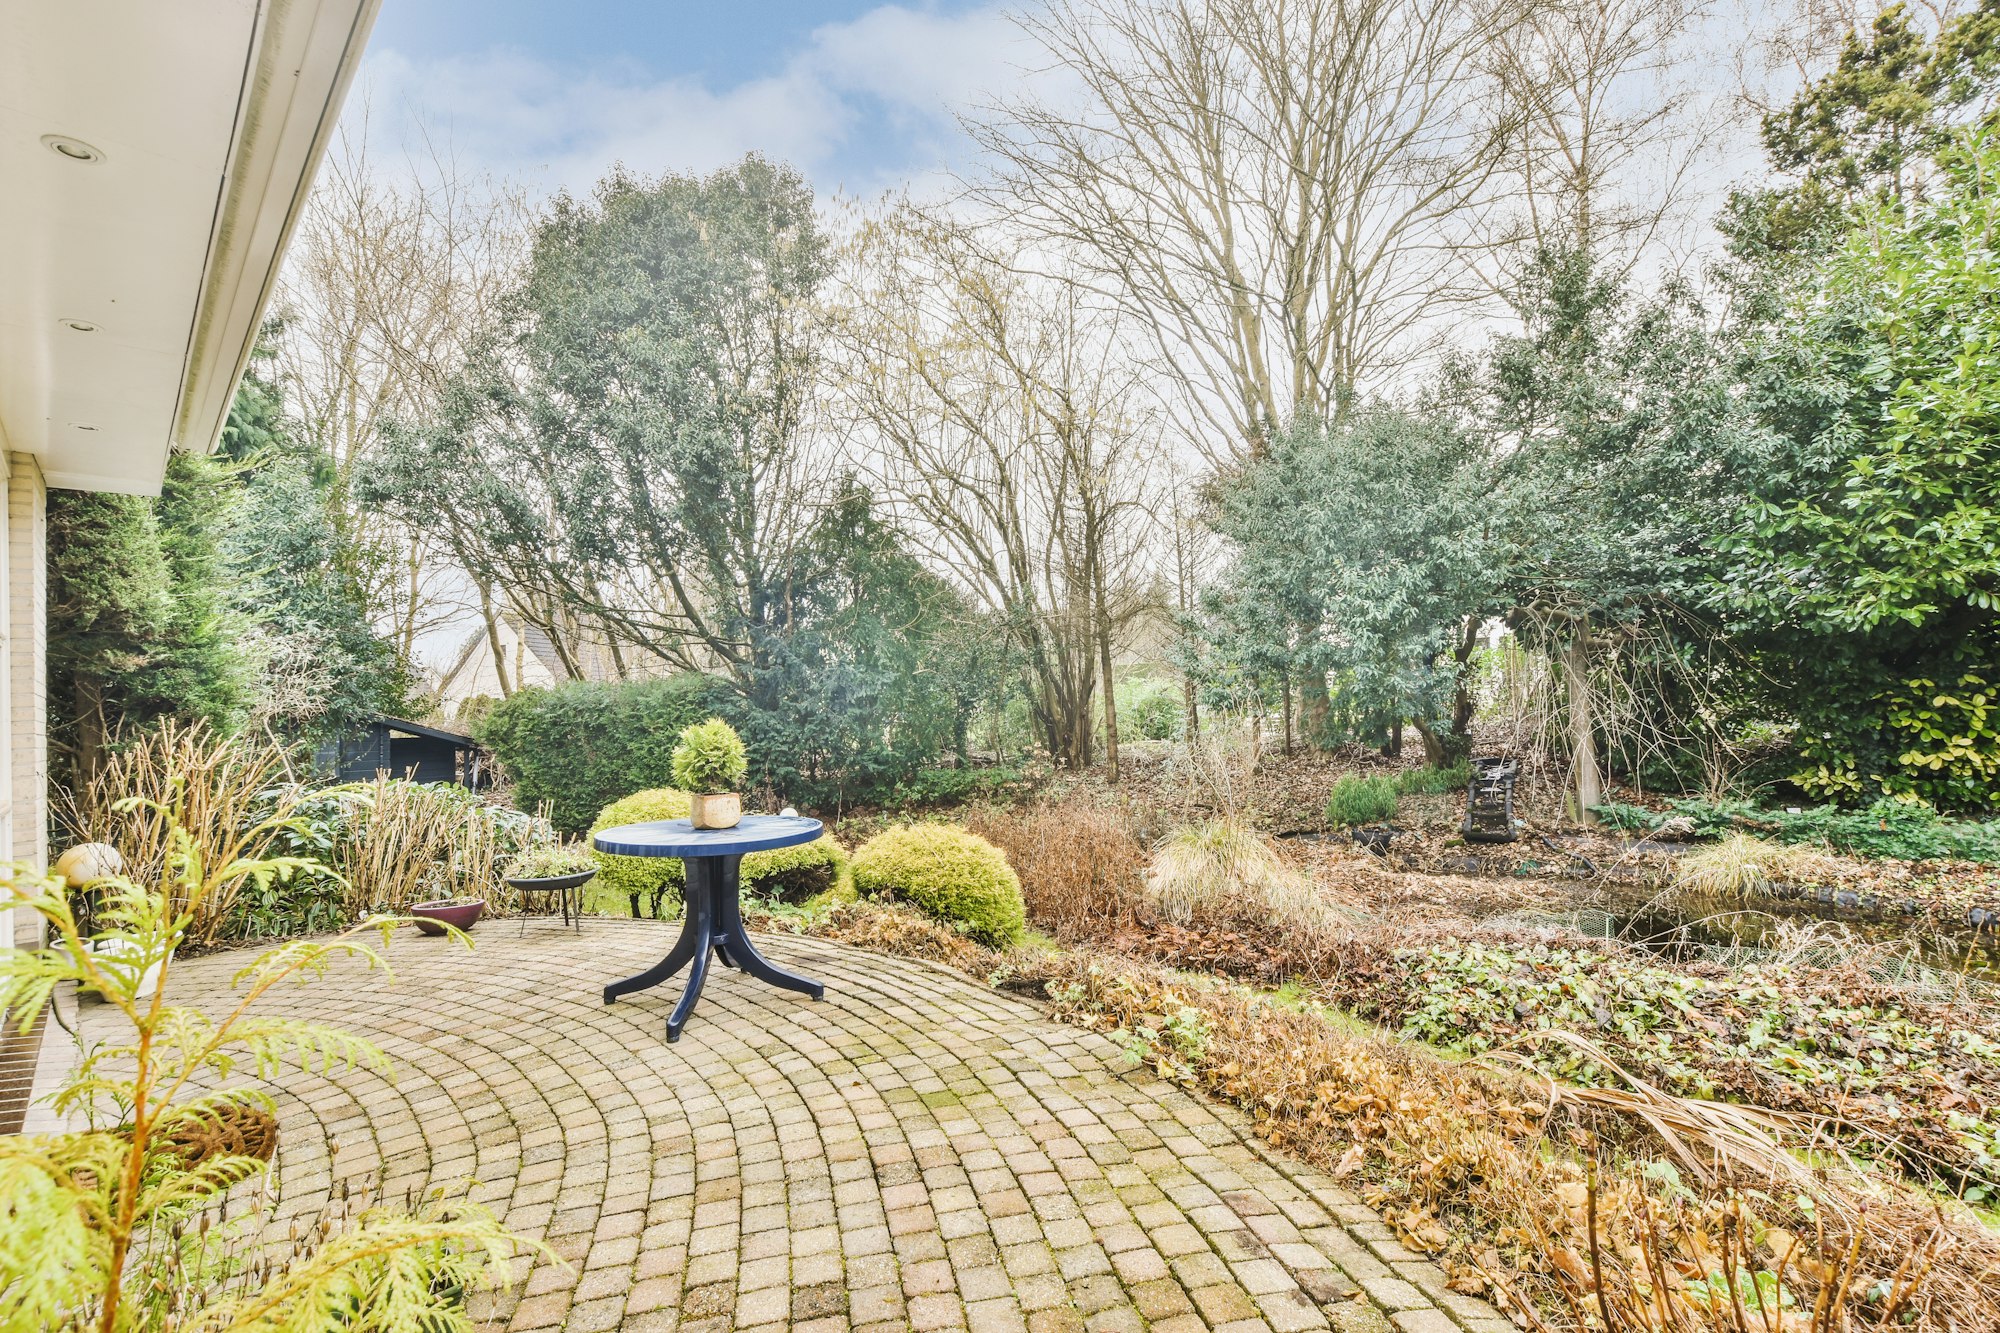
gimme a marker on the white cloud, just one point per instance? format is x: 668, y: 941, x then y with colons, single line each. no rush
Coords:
x: 865, y: 105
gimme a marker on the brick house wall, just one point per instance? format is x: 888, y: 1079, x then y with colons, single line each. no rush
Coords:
x: 24, y: 761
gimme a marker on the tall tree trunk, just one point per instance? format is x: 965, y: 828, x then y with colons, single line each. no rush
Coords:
x: 1104, y: 669
x: 492, y: 619
x: 1435, y: 752
x: 1314, y: 706
x: 1288, y: 715
x: 1110, y: 707
x: 1463, y: 705
x: 89, y: 697
x: 1191, y: 713
x: 1585, y: 779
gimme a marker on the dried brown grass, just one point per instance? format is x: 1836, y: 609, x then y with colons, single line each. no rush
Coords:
x: 1625, y: 1209
x: 1714, y: 1266
x: 1512, y: 1183
x: 1080, y: 865
x: 409, y: 843
x: 1224, y: 872
x: 225, y: 793
x: 1741, y: 866
x: 885, y: 928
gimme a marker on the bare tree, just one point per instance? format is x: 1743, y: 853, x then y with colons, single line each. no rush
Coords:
x: 1197, y: 552
x: 1004, y: 422
x: 390, y: 277
x: 1274, y: 189
x: 1788, y: 44
x: 1605, y: 130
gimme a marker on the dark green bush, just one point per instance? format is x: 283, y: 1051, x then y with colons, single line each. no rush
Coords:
x: 949, y: 786
x: 1433, y: 781
x: 585, y: 744
x: 1897, y: 830
x: 1359, y: 800
x: 795, y: 874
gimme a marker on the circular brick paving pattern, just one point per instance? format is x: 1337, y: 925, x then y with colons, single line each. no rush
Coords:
x: 913, y: 1151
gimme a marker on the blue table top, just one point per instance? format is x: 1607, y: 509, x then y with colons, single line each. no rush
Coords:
x: 677, y: 837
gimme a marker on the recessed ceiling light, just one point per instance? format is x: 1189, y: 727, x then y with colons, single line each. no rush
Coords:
x: 76, y: 150
x: 79, y: 325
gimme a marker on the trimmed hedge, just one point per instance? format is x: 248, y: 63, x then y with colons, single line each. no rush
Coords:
x: 953, y: 875
x: 585, y: 744
x: 642, y: 878
x: 796, y: 874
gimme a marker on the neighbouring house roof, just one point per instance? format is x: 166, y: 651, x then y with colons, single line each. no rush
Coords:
x: 154, y: 158
x: 527, y: 649
x: 543, y: 647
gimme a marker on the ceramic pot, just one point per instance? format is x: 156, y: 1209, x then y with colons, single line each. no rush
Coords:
x: 433, y: 917
x: 125, y: 953
x: 724, y: 811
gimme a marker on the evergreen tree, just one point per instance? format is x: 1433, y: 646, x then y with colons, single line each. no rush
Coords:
x: 1361, y: 555
x: 223, y: 599
x: 109, y: 605
x: 1621, y: 449
x: 1866, y: 575
x: 322, y: 670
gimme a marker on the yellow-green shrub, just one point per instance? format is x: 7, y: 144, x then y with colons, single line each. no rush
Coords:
x: 654, y: 878
x: 956, y: 876
x: 796, y: 874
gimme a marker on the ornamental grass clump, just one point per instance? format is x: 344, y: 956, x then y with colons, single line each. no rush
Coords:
x: 655, y: 880
x: 410, y: 842
x: 1224, y: 872
x: 126, y: 1224
x: 710, y: 759
x: 229, y: 797
x: 954, y: 876
x: 1741, y: 866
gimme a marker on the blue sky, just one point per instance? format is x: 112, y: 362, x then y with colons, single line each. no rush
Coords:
x: 858, y: 94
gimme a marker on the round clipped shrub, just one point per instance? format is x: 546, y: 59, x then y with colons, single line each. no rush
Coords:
x: 955, y: 876
x: 649, y: 879
x: 796, y: 874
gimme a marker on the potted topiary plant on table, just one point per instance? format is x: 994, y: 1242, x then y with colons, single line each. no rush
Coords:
x: 709, y: 764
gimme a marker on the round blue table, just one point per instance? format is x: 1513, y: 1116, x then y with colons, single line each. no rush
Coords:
x: 714, y: 916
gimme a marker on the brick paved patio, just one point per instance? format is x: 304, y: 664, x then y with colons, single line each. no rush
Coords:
x: 914, y: 1151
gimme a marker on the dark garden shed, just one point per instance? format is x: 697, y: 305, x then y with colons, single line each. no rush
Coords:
x: 402, y: 748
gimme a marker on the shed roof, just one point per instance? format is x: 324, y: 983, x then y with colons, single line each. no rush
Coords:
x: 420, y: 729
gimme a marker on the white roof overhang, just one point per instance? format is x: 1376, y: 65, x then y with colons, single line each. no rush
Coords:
x: 132, y: 285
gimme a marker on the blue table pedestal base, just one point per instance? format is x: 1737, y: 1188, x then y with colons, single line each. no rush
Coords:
x: 713, y: 923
